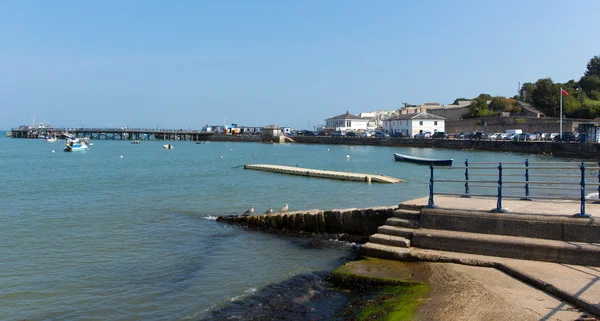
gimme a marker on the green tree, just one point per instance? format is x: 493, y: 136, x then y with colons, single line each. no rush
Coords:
x: 479, y: 108
x: 545, y: 96
x: 484, y: 97
x: 589, y: 83
x: 500, y: 103
x: 593, y: 67
x: 526, y: 91
x: 572, y: 108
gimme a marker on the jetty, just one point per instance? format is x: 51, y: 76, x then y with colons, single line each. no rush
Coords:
x: 309, y: 172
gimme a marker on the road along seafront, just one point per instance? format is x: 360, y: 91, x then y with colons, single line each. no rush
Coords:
x: 537, y: 243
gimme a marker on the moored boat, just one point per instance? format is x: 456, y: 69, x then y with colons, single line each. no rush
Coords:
x: 51, y: 139
x: 75, y: 145
x: 168, y: 146
x: 422, y: 160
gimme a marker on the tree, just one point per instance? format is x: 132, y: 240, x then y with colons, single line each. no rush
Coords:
x: 589, y: 83
x: 526, y: 91
x: 545, y: 96
x: 485, y: 97
x: 479, y: 108
x: 500, y: 103
x: 593, y: 67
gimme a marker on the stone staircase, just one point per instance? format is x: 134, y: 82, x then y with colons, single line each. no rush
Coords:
x: 552, y: 239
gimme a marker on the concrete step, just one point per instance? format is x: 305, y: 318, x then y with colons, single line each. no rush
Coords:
x: 551, y: 227
x: 410, y: 207
x: 407, y: 214
x: 390, y: 240
x: 502, y: 246
x: 404, y: 232
x: 402, y: 222
x: 384, y: 251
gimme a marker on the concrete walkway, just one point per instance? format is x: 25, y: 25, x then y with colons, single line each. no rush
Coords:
x: 534, y: 207
x: 346, y: 176
x: 576, y: 284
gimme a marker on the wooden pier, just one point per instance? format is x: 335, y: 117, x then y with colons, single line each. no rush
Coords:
x: 111, y: 133
x: 346, y: 176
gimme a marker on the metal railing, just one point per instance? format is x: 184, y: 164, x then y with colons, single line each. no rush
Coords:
x: 526, y: 184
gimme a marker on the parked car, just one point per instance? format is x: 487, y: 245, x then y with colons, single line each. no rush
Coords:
x: 545, y: 136
x: 477, y: 135
x: 351, y: 134
x: 567, y: 137
x: 337, y: 133
x: 552, y: 135
x: 381, y: 135
x: 495, y: 136
x: 423, y: 135
x: 307, y: 133
x: 364, y: 134
x: 461, y: 135
x: 439, y: 135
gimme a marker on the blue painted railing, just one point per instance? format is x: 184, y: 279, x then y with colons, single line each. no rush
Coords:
x: 502, y: 184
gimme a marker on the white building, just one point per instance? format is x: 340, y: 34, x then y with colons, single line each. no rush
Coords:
x: 412, y: 124
x: 346, y: 122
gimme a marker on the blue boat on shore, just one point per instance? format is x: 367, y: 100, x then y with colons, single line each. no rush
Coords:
x: 422, y: 160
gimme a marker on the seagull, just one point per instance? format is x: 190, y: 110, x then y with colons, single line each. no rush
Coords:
x: 285, y: 208
x: 250, y: 210
x: 269, y: 211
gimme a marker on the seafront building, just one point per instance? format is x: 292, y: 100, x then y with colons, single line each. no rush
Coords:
x: 346, y: 122
x: 412, y: 124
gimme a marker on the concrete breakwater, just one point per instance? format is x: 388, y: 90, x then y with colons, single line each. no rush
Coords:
x: 356, y: 222
x: 585, y: 150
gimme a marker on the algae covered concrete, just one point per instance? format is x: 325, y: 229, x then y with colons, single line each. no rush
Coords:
x: 352, y: 221
x: 459, y: 292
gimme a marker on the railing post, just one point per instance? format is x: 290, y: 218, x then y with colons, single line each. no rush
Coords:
x: 526, y: 198
x: 430, y: 202
x: 598, y: 201
x: 582, y: 184
x: 499, y: 208
x: 467, y: 191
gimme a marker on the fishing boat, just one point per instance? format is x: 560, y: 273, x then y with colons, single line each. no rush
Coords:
x: 422, y: 160
x: 75, y: 145
x: 169, y: 146
x: 51, y: 139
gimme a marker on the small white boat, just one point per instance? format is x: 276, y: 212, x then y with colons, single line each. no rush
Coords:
x: 75, y: 145
x: 137, y: 141
x: 168, y: 146
x: 51, y: 139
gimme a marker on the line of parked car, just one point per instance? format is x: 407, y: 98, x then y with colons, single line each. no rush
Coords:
x: 538, y: 136
x: 514, y: 135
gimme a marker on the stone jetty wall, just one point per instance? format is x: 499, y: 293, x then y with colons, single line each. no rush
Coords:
x: 355, y: 222
x: 584, y: 150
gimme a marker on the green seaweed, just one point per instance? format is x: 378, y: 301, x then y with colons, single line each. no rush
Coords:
x: 394, y: 303
x: 379, y: 298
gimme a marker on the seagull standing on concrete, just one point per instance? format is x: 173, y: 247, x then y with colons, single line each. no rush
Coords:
x: 285, y: 208
x: 269, y: 211
x: 250, y: 210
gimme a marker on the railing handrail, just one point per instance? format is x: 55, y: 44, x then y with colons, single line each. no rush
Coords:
x: 518, y: 184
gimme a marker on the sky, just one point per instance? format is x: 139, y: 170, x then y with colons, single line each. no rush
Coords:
x: 184, y: 64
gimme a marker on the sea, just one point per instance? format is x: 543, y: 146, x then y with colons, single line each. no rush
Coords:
x: 129, y: 232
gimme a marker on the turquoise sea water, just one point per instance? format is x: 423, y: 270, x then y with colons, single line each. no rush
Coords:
x: 93, y: 235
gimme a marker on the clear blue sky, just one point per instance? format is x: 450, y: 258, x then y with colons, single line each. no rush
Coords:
x: 189, y: 63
